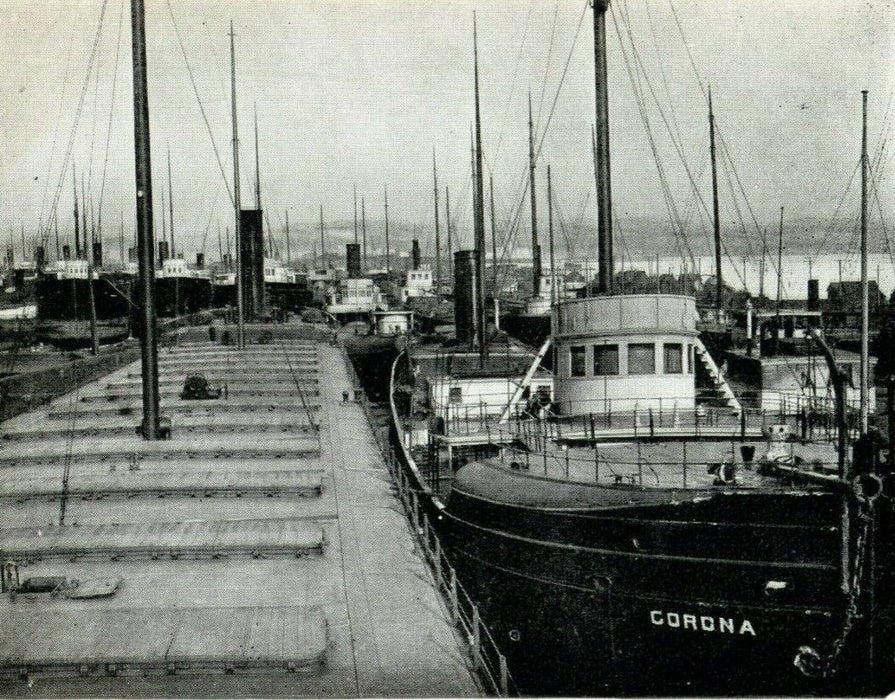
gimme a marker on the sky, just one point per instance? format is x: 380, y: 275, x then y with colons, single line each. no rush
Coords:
x: 362, y: 92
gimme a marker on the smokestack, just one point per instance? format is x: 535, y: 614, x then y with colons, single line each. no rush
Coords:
x: 252, y: 262
x: 228, y: 261
x: 39, y: 257
x: 352, y: 260
x: 97, y: 254
x: 465, y: 299
x: 132, y: 254
x: 416, y: 257
x: 163, y: 251
x: 66, y: 252
x: 200, y: 261
x: 813, y: 295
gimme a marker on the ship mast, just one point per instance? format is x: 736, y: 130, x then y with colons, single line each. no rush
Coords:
x: 145, y: 242
x: 237, y: 205
x: 493, y: 238
x: 74, y: 182
x: 437, y: 230
x: 480, y: 207
x: 550, y: 230
x: 715, y: 212
x: 535, y: 248
x: 322, y: 243
x: 288, y: 251
x: 450, y: 244
x: 865, y: 297
x: 604, y: 190
x: 363, y: 228
x: 171, y: 205
x: 388, y: 266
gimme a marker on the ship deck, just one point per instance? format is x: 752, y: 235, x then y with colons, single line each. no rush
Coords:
x: 261, y: 550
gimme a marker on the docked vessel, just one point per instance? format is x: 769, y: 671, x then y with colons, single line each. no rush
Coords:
x: 633, y: 525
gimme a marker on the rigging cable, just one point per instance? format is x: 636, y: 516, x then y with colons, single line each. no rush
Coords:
x: 44, y: 235
x: 43, y: 198
x: 102, y: 186
x: 189, y: 70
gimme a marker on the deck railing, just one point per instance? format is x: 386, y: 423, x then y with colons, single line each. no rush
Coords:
x: 487, y: 661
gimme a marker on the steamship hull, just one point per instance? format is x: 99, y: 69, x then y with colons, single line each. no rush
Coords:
x: 69, y: 299
x: 178, y: 296
x: 288, y: 296
x: 713, y: 595
x: 531, y: 329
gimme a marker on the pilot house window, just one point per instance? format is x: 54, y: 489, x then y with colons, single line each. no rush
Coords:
x: 641, y: 358
x: 674, y: 358
x: 605, y: 360
x: 578, y: 361
x: 455, y: 395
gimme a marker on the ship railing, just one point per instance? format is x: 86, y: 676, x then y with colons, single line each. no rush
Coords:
x: 593, y: 419
x: 487, y: 660
x: 586, y: 464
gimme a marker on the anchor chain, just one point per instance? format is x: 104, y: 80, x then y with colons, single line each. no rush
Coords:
x: 808, y: 660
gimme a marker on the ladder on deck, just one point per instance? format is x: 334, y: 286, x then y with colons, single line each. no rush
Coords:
x: 720, y: 383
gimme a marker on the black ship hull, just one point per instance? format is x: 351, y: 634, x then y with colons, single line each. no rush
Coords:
x: 712, y: 596
x: 279, y: 295
x: 179, y: 296
x: 532, y: 330
x: 69, y: 299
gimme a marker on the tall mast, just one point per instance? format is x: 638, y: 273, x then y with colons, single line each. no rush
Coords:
x: 85, y: 247
x: 780, y: 265
x: 604, y: 189
x: 145, y: 242
x: 121, y: 239
x: 717, y: 217
x: 387, y: 256
x: 437, y: 231
x: 237, y: 205
x: 363, y: 227
x: 164, y: 226
x: 550, y: 230
x: 288, y: 250
x: 535, y: 248
x: 355, y: 215
x: 257, y: 162
x: 493, y: 236
x: 171, y: 206
x: 865, y: 296
x: 220, y: 245
x: 74, y: 182
x: 56, y: 231
x: 480, y: 210
x: 450, y: 245
x: 322, y: 243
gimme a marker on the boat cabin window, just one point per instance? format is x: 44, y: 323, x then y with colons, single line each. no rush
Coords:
x: 641, y: 358
x: 674, y: 358
x: 455, y: 395
x: 578, y: 361
x: 605, y: 360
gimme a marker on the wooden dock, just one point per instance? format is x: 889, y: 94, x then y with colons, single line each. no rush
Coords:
x: 262, y: 543
x: 105, y: 642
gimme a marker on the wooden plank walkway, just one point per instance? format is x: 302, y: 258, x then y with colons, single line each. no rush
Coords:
x: 93, y: 453
x: 186, y: 408
x: 186, y: 427
x: 170, y: 483
x: 152, y: 540
x: 185, y: 640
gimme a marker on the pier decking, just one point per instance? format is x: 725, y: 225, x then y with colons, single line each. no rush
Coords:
x: 261, y: 544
